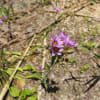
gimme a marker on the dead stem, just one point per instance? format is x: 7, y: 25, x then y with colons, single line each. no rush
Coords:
x: 43, y: 65
x: 6, y: 87
x: 94, y: 18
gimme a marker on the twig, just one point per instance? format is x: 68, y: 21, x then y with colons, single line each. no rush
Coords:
x: 43, y: 65
x: 6, y: 87
x: 94, y: 18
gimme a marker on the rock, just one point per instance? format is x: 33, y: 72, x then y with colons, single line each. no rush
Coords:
x: 29, y: 30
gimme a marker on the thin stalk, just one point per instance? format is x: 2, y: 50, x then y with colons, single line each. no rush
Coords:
x: 43, y: 63
x: 7, y: 85
x: 44, y: 53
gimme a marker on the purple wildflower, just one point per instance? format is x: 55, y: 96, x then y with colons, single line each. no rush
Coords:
x: 56, y: 42
x: 57, y: 51
x: 60, y: 43
x: 1, y: 22
x: 40, y: 68
x: 4, y: 17
x: 58, y: 9
x: 62, y: 36
x: 70, y: 43
x: 66, y: 40
x: 57, y: 46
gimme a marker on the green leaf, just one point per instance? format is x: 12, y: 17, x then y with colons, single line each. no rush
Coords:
x: 20, y: 69
x: 34, y: 75
x: 84, y: 68
x: 28, y: 67
x: 13, y: 59
x: 25, y: 93
x: 34, y: 97
x: 5, y: 11
x: 14, y: 91
x: 34, y: 89
x: 87, y: 43
x: 9, y: 71
x: 90, y: 45
x: 98, y: 56
x: 53, y: 59
x: 34, y: 68
x: 13, y: 53
x: 45, y: 83
x: 84, y: 48
x: 0, y: 83
x: 68, y: 51
x: 93, y: 44
x: 19, y: 76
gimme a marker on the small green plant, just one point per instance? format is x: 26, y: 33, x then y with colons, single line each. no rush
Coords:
x: 62, y: 44
x: 22, y: 95
x: 84, y: 68
x: 88, y: 46
x: 14, y: 92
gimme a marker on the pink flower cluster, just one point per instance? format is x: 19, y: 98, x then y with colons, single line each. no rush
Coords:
x: 60, y: 43
x: 2, y: 19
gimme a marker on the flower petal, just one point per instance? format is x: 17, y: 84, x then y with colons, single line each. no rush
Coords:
x: 58, y: 9
x: 4, y: 17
